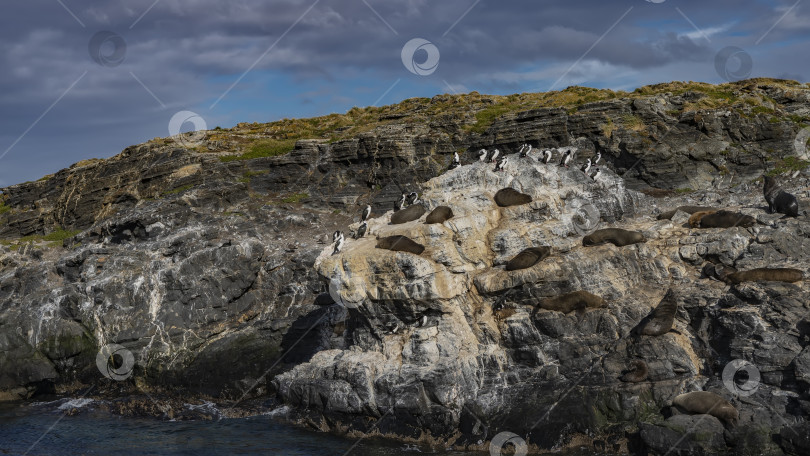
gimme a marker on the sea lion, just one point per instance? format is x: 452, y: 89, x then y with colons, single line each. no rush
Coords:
x: 688, y: 209
x: 637, y: 373
x: 766, y: 274
x: 778, y: 199
x: 694, y: 219
x: 399, y: 243
x: 663, y: 316
x: 717, y: 272
x: 408, y: 214
x: 569, y: 302
x: 615, y: 236
x: 726, y: 219
x: 528, y: 258
x: 506, y: 197
x: 707, y: 403
x: 439, y: 215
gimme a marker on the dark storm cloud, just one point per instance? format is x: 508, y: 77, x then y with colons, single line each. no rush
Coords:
x: 187, y: 53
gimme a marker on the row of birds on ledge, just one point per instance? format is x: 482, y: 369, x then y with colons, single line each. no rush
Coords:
x: 494, y: 156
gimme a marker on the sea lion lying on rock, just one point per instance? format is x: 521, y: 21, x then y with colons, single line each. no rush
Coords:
x: 408, y: 214
x: 439, y: 215
x: 765, y: 274
x: 707, y: 403
x: 510, y: 197
x: 615, y: 236
x: 662, y: 317
x: 778, y: 199
x: 569, y: 302
x: 637, y: 373
x: 725, y: 219
x: 688, y: 209
x: 717, y: 272
x: 528, y: 258
x: 399, y: 243
x: 694, y: 219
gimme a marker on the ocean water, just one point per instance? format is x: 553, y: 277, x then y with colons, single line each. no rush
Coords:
x: 43, y: 429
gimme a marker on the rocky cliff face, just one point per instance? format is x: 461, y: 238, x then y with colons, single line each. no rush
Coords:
x: 448, y: 345
x: 208, y: 272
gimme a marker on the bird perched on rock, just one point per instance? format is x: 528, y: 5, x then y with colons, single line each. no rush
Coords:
x: 361, y: 230
x: 596, y: 174
x: 401, y: 202
x: 366, y: 213
x: 547, y: 156
x: 566, y: 158
x: 413, y: 197
x: 482, y: 155
x: 456, y: 162
x: 598, y: 157
x: 494, y: 155
x: 501, y: 163
x: 336, y: 235
x: 338, y: 244
x: 524, y: 150
x: 586, y: 167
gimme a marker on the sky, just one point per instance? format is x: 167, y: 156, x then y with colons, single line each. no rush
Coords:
x: 85, y: 79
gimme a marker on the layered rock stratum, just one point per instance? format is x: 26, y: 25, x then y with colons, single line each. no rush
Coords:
x: 211, y: 268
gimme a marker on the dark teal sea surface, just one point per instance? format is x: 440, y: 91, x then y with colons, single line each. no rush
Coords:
x: 40, y: 429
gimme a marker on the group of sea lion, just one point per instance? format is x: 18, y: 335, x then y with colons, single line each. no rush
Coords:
x: 705, y: 402
x: 399, y: 243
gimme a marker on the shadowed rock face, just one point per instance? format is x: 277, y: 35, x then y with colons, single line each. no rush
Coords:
x: 210, y: 280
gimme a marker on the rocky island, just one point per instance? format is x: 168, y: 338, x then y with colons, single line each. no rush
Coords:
x: 204, y: 267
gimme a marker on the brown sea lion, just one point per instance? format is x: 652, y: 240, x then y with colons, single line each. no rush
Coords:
x: 408, y: 214
x: 694, y: 220
x: 510, y: 197
x: 528, y: 258
x: 663, y: 316
x: 637, y: 373
x: 439, y: 215
x: 615, y: 236
x: 778, y: 199
x: 707, y: 403
x: 569, y: 302
x: 726, y: 219
x: 766, y: 274
x: 688, y: 209
x: 716, y: 271
x: 399, y: 243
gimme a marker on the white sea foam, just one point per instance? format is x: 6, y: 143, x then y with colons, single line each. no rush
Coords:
x: 76, y: 403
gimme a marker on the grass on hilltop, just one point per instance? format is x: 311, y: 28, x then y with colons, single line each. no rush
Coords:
x: 476, y: 113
